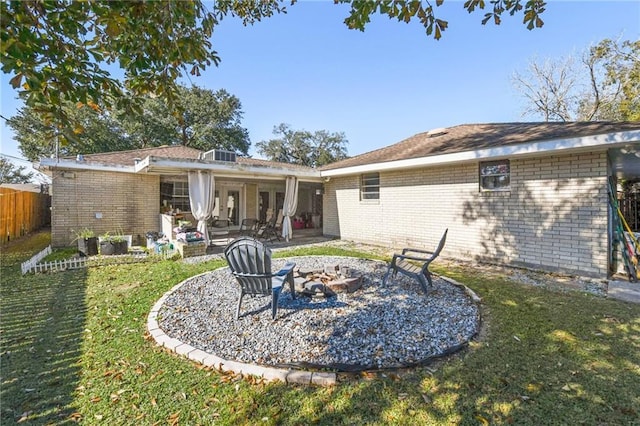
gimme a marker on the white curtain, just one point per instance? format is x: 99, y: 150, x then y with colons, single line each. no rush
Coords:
x: 202, y: 187
x: 290, y: 206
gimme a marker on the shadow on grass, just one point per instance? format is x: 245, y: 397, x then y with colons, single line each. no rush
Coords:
x: 41, y: 335
x: 550, y: 357
x: 547, y: 358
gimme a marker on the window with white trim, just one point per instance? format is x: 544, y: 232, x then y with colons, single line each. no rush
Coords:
x: 370, y: 186
x: 180, y: 197
x: 495, y: 175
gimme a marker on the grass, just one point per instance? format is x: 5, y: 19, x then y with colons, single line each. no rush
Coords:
x: 74, y: 348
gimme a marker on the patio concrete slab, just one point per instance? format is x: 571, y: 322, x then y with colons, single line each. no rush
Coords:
x: 624, y: 290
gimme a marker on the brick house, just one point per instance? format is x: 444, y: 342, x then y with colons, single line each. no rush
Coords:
x: 525, y: 194
x: 127, y: 191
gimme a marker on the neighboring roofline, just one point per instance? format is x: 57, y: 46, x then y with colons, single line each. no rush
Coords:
x: 583, y: 143
x: 163, y: 165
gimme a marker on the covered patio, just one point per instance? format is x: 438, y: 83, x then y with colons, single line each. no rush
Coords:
x: 300, y: 237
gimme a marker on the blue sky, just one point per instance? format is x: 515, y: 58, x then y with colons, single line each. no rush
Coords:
x: 305, y: 68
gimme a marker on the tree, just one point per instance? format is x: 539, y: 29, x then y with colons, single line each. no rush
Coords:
x: 603, y: 85
x: 549, y: 88
x: 203, y: 119
x: 614, y: 76
x: 63, y: 52
x: 94, y: 130
x: 303, y: 147
x: 405, y: 11
x: 10, y: 173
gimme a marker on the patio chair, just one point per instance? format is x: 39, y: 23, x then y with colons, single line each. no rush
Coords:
x: 250, y: 263
x: 270, y: 229
x: 219, y: 229
x: 415, y: 266
x: 248, y: 227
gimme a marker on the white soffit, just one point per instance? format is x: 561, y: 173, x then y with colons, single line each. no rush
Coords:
x: 160, y: 165
x: 81, y: 165
x: 585, y: 143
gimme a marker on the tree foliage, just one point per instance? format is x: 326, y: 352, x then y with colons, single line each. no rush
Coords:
x: 603, y: 84
x: 423, y: 11
x: 10, y: 173
x: 200, y: 118
x: 304, y: 147
x: 63, y: 52
x: 614, y: 75
x: 94, y: 130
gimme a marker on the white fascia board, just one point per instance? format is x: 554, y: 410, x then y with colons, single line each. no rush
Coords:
x: 81, y: 165
x: 157, y: 164
x: 608, y: 140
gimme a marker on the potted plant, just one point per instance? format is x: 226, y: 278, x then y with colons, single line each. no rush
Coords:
x: 87, y: 242
x: 113, y: 244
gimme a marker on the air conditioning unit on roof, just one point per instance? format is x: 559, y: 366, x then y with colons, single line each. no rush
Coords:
x: 219, y: 155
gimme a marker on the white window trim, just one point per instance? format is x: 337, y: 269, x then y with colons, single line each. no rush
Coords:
x: 480, y: 176
x: 369, y: 186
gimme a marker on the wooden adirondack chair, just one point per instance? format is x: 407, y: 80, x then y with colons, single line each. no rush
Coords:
x: 250, y: 263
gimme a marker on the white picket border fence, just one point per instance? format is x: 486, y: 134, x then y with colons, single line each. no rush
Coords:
x: 33, y: 265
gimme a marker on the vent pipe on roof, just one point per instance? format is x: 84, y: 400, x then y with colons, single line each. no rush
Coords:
x: 437, y: 132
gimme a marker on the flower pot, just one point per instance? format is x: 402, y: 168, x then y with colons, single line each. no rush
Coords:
x: 88, y: 246
x: 113, y: 247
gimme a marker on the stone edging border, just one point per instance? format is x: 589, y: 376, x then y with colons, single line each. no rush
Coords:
x: 211, y: 360
x: 268, y: 373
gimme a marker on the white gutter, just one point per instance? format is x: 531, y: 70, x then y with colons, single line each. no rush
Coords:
x: 608, y: 140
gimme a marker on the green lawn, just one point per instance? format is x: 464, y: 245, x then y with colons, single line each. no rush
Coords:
x: 74, y: 348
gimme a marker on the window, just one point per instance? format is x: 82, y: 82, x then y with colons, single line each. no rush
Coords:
x: 370, y: 186
x: 180, y: 197
x: 495, y: 175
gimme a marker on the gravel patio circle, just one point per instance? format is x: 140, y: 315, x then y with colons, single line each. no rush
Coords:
x: 375, y: 327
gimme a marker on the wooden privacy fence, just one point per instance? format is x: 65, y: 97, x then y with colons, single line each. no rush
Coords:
x: 22, y: 212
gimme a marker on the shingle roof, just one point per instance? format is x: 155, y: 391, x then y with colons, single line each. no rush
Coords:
x: 127, y: 158
x: 469, y: 137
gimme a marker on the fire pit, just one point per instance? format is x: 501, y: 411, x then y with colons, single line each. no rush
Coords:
x: 327, y: 282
